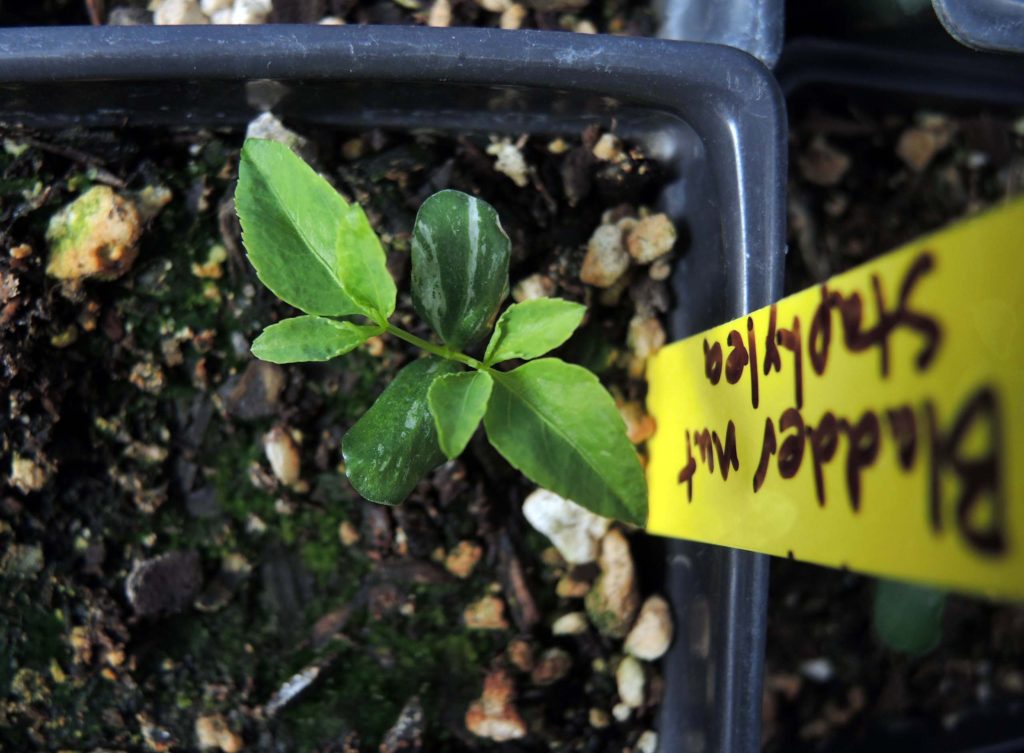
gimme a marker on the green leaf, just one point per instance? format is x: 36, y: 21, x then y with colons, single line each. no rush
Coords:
x: 908, y: 617
x: 558, y: 425
x: 459, y: 266
x: 362, y: 264
x: 309, y: 338
x: 291, y: 219
x: 394, y: 444
x: 458, y: 402
x: 532, y: 328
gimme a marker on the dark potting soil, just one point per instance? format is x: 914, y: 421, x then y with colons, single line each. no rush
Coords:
x: 864, y: 182
x: 631, y: 17
x: 154, y: 570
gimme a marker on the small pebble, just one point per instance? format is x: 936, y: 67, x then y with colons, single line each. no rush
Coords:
x: 574, y: 530
x: 251, y: 11
x: 570, y: 588
x: 652, y: 632
x: 608, y: 148
x: 495, y: 6
x: 613, y: 601
x: 178, y: 13
x: 630, y: 682
x: 651, y: 238
x: 639, y: 426
x: 573, y: 623
x: 647, y: 742
x: 494, y: 715
x: 598, y: 718
x: 553, y: 665
x: 660, y: 270
x: 513, y: 18
x: 533, y: 287
x: 817, y: 670
x: 209, y: 7
x: 348, y: 534
x: 645, y: 336
x: 487, y: 613
x: 213, y: 733
x: 96, y: 235
x: 822, y: 164
x: 463, y: 558
x: 26, y: 474
x: 621, y: 712
x: 440, y: 15
x: 520, y: 654
x: 606, y: 259
x: 283, y: 455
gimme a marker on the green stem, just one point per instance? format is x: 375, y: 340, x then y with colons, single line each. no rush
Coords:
x: 437, y: 350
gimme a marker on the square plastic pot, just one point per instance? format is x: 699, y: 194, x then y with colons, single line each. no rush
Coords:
x: 899, y: 80
x: 996, y: 25
x: 713, y: 114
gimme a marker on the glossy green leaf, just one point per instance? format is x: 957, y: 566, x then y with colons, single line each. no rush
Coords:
x: 458, y: 403
x: 310, y: 338
x: 291, y: 219
x: 459, y: 266
x: 558, y: 425
x: 394, y: 444
x: 532, y: 328
x: 362, y: 264
x: 908, y: 617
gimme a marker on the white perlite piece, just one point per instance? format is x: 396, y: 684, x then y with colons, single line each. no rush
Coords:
x: 647, y: 742
x: 574, y: 531
x: 606, y: 260
x: 630, y: 681
x: 251, y: 11
x: 209, y: 7
x: 266, y: 126
x: 509, y: 160
x: 651, y: 238
x: 178, y: 13
x: 652, y: 632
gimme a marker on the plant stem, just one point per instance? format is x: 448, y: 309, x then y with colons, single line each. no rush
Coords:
x: 437, y: 350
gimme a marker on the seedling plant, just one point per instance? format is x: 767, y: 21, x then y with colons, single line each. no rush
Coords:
x: 550, y: 419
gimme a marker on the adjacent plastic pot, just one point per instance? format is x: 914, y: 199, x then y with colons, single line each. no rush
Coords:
x: 898, y: 80
x: 996, y: 25
x: 754, y: 26
x: 713, y: 114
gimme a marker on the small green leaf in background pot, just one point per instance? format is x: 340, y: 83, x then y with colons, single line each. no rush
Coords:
x: 290, y: 222
x: 532, y: 328
x: 458, y: 402
x: 908, y: 617
x: 362, y: 264
x: 459, y: 266
x: 309, y: 338
x: 558, y: 425
x: 394, y: 444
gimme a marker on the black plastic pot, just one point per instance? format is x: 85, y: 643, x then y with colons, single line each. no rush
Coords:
x: 898, y: 80
x: 996, y: 25
x: 713, y: 114
x: 754, y: 26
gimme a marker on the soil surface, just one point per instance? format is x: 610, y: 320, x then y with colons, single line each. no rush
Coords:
x: 159, y: 583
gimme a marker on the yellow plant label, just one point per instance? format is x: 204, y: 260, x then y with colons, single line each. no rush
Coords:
x: 874, y: 422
